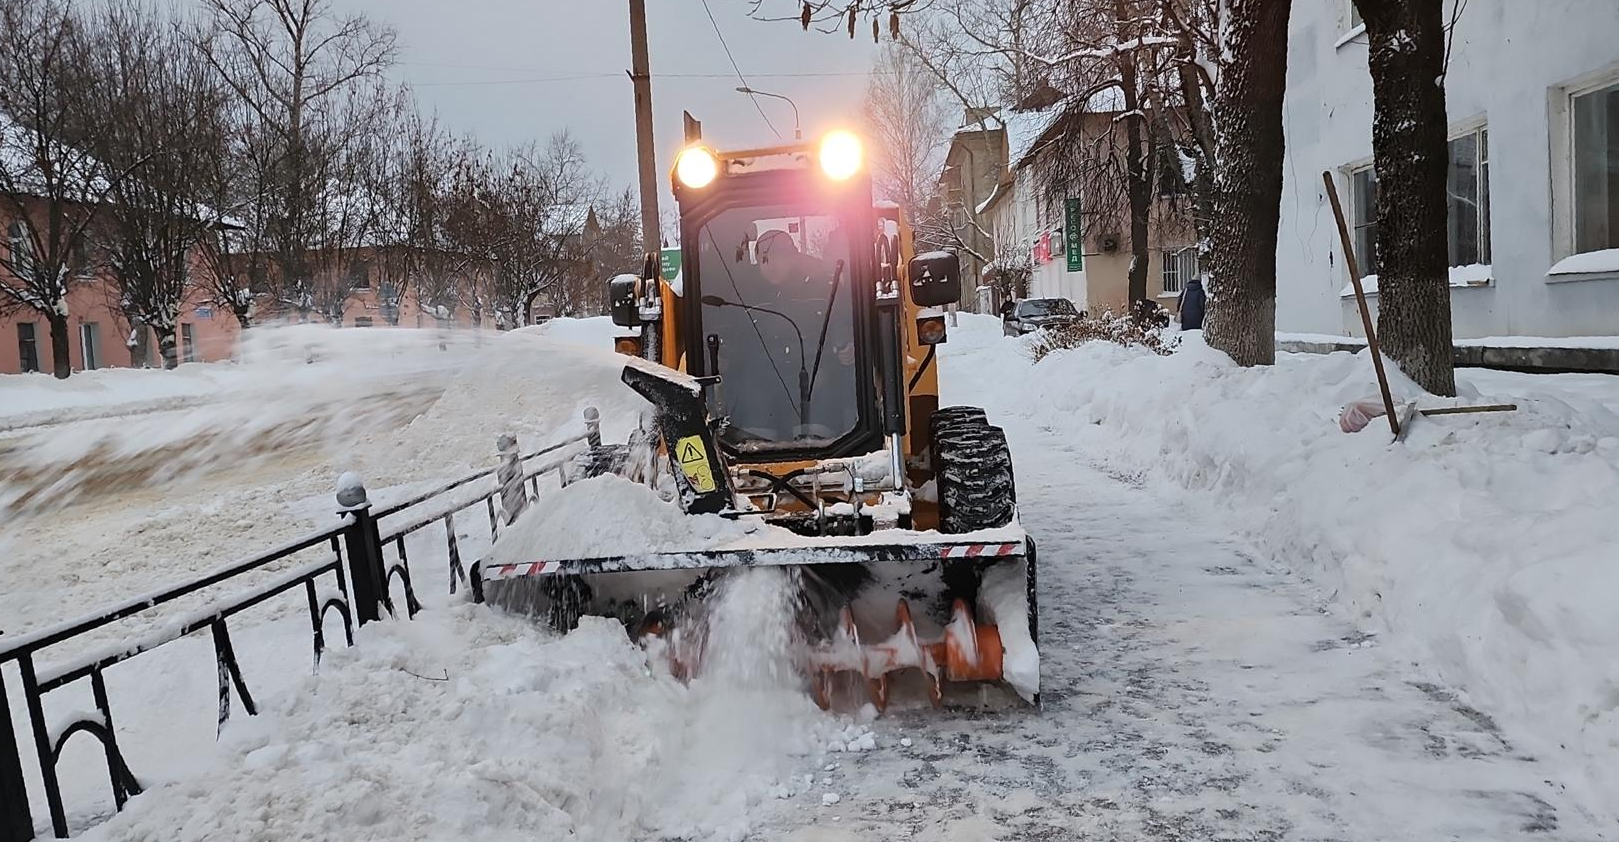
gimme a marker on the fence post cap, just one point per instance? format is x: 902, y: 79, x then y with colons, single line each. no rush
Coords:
x: 351, y: 492
x: 505, y: 442
x: 591, y: 414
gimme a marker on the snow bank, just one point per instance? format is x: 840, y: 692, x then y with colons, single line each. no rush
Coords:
x: 272, y: 361
x: 524, y: 382
x: 595, y: 332
x: 465, y: 724
x: 611, y: 516
x: 1484, y: 542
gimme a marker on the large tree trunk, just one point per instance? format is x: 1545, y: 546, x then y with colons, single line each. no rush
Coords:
x: 1409, y: 144
x: 1248, y: 194
x: 61, y: 358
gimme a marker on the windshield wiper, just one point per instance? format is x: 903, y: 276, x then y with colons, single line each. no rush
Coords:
x: 803, y: 372
x: 826, y: 322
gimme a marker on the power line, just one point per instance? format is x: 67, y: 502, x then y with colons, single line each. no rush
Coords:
x: 620, y: 75
x: 739, y: 76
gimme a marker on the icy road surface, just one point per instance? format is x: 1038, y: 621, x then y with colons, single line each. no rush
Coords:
x: 1189, y: 694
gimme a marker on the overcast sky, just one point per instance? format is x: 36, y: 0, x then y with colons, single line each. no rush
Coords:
x: 510, y: 71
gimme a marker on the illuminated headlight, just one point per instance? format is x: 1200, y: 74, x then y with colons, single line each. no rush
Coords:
x: 840, y: 155
x: 696, y: 167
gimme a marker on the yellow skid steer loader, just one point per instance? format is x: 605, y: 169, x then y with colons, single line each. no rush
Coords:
x: 792, y: 366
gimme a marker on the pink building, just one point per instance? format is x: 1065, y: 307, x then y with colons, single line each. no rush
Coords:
x: 100, y: 336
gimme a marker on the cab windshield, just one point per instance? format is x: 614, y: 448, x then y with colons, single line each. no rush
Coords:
x: 778, y: 325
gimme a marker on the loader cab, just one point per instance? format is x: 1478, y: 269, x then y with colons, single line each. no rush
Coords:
x: 779, y: 296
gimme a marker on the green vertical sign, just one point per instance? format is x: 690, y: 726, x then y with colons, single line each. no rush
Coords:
x: 670, y: 263
x: 1073, y: 235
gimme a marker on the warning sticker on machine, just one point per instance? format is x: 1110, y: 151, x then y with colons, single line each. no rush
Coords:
x: 693, y: 459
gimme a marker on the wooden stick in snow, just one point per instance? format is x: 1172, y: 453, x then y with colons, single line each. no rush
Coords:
x: 1460, y: 410
x: 1360, y: 298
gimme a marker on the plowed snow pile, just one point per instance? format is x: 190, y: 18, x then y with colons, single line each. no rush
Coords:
x: 467, y: 724
x: 611, y: 516
x: 1484, y: 543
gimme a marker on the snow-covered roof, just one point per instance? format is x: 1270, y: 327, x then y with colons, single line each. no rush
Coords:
x: 1003, y: 188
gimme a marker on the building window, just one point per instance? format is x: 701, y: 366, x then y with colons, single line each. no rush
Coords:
x: 28, y: 346
x: 19, y: 249
x: 1180, y: 266
x: 1355, y: 21
x: 1467, y: 200
x: 1363, y: 208
x: 188, y: 343
x: 362, y: 321
x: 90, y: 345
x: 1596, y: 169
x: 360, y: 274
x: 1467, y: 188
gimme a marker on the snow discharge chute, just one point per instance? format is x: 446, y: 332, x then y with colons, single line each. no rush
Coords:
x: 792, y: 371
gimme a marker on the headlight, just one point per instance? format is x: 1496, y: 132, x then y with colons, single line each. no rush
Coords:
x: 840, y: 155
x: 696, y: 167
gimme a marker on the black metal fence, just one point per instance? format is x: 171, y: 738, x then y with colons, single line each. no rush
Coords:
x: 352, y: 556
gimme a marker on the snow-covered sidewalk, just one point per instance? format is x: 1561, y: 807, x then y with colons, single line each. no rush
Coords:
x: 1191, y: 692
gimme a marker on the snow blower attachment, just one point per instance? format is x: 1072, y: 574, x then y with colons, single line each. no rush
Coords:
x: 793, y: 374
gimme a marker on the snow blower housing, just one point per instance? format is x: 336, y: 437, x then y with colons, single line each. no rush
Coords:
x: 793, y: 370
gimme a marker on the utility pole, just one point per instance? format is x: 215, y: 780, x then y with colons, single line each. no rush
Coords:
x: 647, y: 152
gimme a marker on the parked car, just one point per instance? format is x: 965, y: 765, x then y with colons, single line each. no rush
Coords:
x: 1031, y: 314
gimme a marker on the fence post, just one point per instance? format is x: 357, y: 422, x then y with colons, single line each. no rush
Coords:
x: 363, y: 543
x: 16, y: 823
x: 593, y: 426
x: 513, y: 497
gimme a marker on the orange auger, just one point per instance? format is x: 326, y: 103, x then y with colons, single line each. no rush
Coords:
x: 966, y: 651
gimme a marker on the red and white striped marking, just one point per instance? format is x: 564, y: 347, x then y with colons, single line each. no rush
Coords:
x: 516, y: 571
x: 978, y: 550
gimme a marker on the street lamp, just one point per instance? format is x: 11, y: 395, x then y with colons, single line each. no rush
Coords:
x: 798, y: 133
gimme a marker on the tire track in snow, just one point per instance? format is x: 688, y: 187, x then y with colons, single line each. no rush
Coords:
x: 1189, y: 694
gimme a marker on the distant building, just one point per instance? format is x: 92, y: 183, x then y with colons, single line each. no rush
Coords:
x: 1071, y: 247
x: 973, y: 165
x: 1532, y: 90
x: 100, y: 336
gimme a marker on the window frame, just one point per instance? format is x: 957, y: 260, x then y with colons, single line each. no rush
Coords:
x: 1561, y: 120
x: 1610, y: 88
x: 1480, y: 129
x: 1366, y: 258
x: 28, y: 349
x: 19, y: 240
x: 188, y: 343
x: 1170, y: 267
x: 90, y: 346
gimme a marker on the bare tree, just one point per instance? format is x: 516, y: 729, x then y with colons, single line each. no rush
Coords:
x: 523, y: 215
x: 164, y: 126
x: 306, y: 76
x: 908, y: 120
x: 1409, y: 144
x: 51, y: 184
